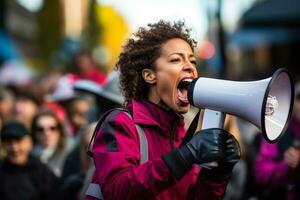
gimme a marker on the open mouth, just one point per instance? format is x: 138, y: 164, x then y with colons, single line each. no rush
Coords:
x: 182, y: 90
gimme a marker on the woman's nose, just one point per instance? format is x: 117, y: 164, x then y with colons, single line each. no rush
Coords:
x: 190, y: 67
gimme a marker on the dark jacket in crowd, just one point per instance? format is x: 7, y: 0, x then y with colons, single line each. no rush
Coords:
x: 33, y: 181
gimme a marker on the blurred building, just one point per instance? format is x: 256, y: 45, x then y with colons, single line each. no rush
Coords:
x: 74, y: 16
x: 37, y: 27
x: 20, y: 24
x: 267, y: 38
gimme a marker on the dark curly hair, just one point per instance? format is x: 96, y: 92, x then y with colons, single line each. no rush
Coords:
x: 141, y: 52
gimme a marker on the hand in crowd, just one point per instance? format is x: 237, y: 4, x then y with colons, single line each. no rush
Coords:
x: 292, y: 157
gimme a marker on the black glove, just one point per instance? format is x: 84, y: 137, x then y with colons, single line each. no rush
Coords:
x: 205, y: 146
x: 225, y: 166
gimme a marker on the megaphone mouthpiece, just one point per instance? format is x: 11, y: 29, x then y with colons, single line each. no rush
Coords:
x: 191, y: 91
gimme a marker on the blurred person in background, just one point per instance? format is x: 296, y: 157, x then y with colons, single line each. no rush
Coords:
x: 156, y: 67
x: 76, y: 167
x: 7, y: 99
x: 77, y: 109
x: 22, y: 176
x: 104, y: 97
x: 85, y: 68
x: 2, y: 151
x: 276, y: 169
x: 236, y: 186
x: 45, y: 84
x: 71, y: 106
x: 51, y: 144
x: 25, y: 108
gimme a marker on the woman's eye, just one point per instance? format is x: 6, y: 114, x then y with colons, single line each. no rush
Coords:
x: 175, y: 60
x: 193, y: 62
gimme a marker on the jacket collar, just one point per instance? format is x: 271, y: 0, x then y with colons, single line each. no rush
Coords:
x: 149, y: 114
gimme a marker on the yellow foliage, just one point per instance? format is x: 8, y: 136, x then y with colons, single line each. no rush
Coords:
x: 113, y: 32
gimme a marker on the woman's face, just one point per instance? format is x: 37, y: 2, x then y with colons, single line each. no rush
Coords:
x: 174, y: 69
x: 47, y: 132
x: 25, y: 110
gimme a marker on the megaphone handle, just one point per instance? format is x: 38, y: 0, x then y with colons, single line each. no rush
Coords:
x: 212, y: 119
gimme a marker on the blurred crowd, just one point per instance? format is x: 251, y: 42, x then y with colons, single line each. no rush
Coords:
x: 47, y: 123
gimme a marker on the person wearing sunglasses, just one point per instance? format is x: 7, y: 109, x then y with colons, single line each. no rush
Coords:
x: 50, y: 140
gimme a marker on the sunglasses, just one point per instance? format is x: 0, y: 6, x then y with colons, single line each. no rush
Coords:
x: 43, y: 129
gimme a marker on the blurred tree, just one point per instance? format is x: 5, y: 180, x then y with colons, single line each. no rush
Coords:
x: 93, y: 28
x: 50, y: 29
x: 114, y: 30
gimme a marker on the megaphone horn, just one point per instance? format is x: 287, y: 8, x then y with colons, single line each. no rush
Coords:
x: 266, y: 103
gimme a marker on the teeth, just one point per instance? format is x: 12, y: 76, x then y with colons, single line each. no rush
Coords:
x: 184, y: 83
x: 187, y: 79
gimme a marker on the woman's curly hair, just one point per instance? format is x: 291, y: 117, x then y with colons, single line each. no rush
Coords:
x: 141, y: 52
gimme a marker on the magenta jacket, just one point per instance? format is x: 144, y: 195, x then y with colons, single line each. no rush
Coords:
x: 271, y: 173
x: 116, y: 157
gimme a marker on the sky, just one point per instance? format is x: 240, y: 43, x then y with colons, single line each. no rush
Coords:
x: 141, y: 12
x: 193, y: 12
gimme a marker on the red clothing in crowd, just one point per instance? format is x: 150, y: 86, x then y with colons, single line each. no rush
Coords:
x: 94, y: 75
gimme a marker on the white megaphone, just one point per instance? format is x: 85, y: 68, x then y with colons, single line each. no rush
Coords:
x: 266, y: 103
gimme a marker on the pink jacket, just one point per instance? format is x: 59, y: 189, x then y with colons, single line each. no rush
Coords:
x: 271, y: 172
x: 116, y: 156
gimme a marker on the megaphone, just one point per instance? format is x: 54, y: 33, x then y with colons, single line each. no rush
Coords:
x: 266, y: 103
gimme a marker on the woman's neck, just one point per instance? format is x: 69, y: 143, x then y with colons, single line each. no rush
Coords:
x: 159, y: 103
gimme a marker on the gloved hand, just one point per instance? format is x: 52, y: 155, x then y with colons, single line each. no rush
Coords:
x: 224, y: 169
x: 205, y: 146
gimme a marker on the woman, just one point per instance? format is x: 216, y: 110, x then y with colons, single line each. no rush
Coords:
x: 156, y: 67
x: 50, y: 141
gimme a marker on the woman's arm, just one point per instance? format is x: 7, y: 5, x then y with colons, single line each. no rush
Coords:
x: 116, y: 157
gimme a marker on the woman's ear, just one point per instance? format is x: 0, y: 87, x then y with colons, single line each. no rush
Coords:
x: 149, y: 76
